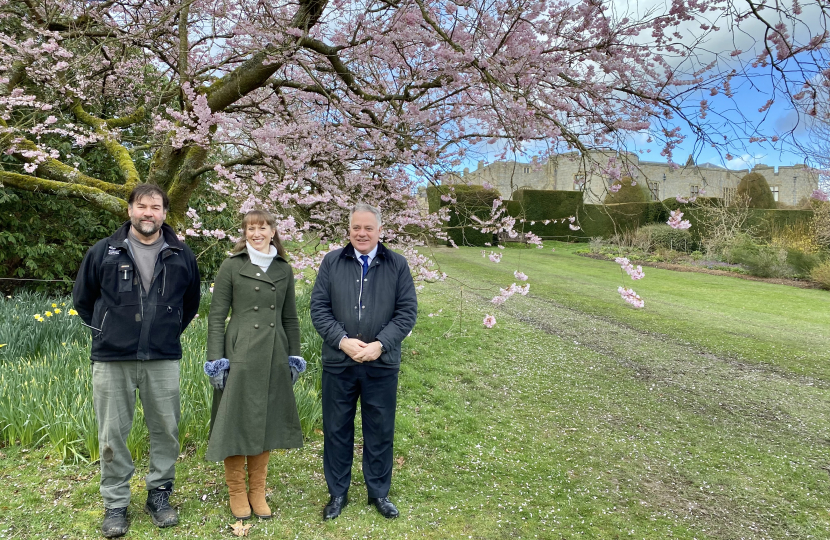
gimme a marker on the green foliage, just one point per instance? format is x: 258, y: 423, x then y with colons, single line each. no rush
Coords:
x: 46, y: 237
x: 471, y: 201
x: 761, y: 260
x: 802, y: 262
x: 660, y: 235
x: 539, y: 204
x: 756, y: 190
x: 821, y: 274
x: 628, y: 193
x: 46, y: 386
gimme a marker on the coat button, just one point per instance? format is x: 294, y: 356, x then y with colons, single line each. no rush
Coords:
x: 256, y: 308
x: 272, y: 325
x: 273, y: 288
x: 272, y: 306
x: 257, y: 274
x: 256, y: 326
x: 256, y: 288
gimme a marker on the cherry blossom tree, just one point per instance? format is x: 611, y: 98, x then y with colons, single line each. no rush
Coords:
x: 307, y: 106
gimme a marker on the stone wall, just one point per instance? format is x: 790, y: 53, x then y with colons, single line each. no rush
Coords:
x: 790, y: 184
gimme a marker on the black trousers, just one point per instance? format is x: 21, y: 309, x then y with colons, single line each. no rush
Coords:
x: 377, y: 389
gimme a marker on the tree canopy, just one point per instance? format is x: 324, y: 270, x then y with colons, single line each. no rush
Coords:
x: 307, y: 106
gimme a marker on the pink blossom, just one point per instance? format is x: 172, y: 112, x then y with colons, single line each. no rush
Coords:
x: 573, y: 227
x: 495, y: 257
x: 520, y: 276
x: 819, y: 195
x: 489, y: 321
x: 675, y: 220
x: 615, y: 188
x: 631, y: 297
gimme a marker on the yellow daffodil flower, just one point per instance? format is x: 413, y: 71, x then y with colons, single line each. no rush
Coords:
x: 57, y: 310
x: 72, y: 312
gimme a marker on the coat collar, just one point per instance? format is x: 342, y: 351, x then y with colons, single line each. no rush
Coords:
x: 255, y: 272
x: 119, y: 237
x: 351, y: 252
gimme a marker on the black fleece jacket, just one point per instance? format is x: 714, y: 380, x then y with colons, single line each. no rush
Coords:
x: 127, y: 322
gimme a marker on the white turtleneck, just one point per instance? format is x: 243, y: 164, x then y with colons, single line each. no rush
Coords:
x: 259, y: 258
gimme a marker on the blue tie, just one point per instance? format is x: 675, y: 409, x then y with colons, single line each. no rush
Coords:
x: 365, y: 259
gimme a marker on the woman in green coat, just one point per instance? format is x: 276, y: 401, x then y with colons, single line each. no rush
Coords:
x: 248, y: 362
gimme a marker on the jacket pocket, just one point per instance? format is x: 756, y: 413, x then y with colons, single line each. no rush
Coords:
x: 164, y: 333
x: 119, y: 331
x: 125, y: 277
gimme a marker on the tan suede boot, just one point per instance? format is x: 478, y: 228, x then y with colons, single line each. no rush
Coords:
x: 257, y: 473
x: 235, y: 478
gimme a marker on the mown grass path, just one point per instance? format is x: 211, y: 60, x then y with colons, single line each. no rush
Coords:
x: 705, y: 415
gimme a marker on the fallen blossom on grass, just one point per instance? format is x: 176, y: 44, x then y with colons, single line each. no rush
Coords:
x: 489, y: 321
x: 520, y: 275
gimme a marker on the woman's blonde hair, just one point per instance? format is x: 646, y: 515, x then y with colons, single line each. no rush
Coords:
x: 258, y: 217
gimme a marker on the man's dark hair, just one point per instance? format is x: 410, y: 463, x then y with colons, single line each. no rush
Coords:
x: 142, y: 190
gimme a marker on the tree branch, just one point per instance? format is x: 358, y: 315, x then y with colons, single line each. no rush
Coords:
x: 93, y: 195
x: 120, y: 154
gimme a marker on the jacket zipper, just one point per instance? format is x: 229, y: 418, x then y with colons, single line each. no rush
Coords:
x: 163, y: 278
x: 102, y: 321
x: 360, y: 294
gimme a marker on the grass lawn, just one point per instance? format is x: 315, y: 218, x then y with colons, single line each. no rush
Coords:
x: 704, y: 415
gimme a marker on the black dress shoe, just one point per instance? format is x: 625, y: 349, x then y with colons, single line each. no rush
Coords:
x: 384, y: 506
x: 335, y: 506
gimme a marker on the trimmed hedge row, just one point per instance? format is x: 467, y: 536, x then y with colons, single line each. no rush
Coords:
x: 473, y: 200
x: 537, y: 206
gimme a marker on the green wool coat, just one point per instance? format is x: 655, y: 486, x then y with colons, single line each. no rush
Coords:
x: 256, y: 411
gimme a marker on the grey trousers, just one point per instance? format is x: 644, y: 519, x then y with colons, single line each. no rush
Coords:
x: 114, y: 386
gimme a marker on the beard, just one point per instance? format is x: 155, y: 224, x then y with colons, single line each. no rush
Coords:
x: 146, y: 229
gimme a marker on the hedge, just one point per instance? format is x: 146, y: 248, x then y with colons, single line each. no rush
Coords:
x: 537, y: 206
x: 471, y: 200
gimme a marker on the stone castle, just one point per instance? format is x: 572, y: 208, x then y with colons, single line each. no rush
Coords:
x: 790, y: 185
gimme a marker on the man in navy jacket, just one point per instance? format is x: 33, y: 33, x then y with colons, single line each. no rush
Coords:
x: 137, y: 291
x: 363, y: 305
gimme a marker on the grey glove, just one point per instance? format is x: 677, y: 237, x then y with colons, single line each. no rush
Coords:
x: 217, y: 371
x: 297, y: 366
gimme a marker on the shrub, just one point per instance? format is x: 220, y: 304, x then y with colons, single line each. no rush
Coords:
x: 802, y: 262
x: 755, y: 188
x: 628, y: 193
x: 660, y: 235
x: 759, y: 260
x: 821, y: 275
x: 46, y: 237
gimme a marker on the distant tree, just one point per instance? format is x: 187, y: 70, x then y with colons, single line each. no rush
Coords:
x: 755, y: 188
x: 627, y: 192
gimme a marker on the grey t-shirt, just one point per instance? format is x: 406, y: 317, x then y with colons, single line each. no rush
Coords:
x: 145, y: 256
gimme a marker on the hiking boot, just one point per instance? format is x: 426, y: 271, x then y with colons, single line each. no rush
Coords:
x: 158, y: 506
x: 115, y: 522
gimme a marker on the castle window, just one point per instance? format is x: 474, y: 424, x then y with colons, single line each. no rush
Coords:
x: 774, y: 192
x: 654, y: 189
x: 527, y: 170
x: 694, y: 191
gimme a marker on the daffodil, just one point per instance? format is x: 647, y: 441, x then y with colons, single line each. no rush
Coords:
x: 63, y: 303
x: 54, y: 305
x: 57, y: 310
x: 72, y: 311
x: 37, y: 315
x: 3, y: 345
x: 48, y: 313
